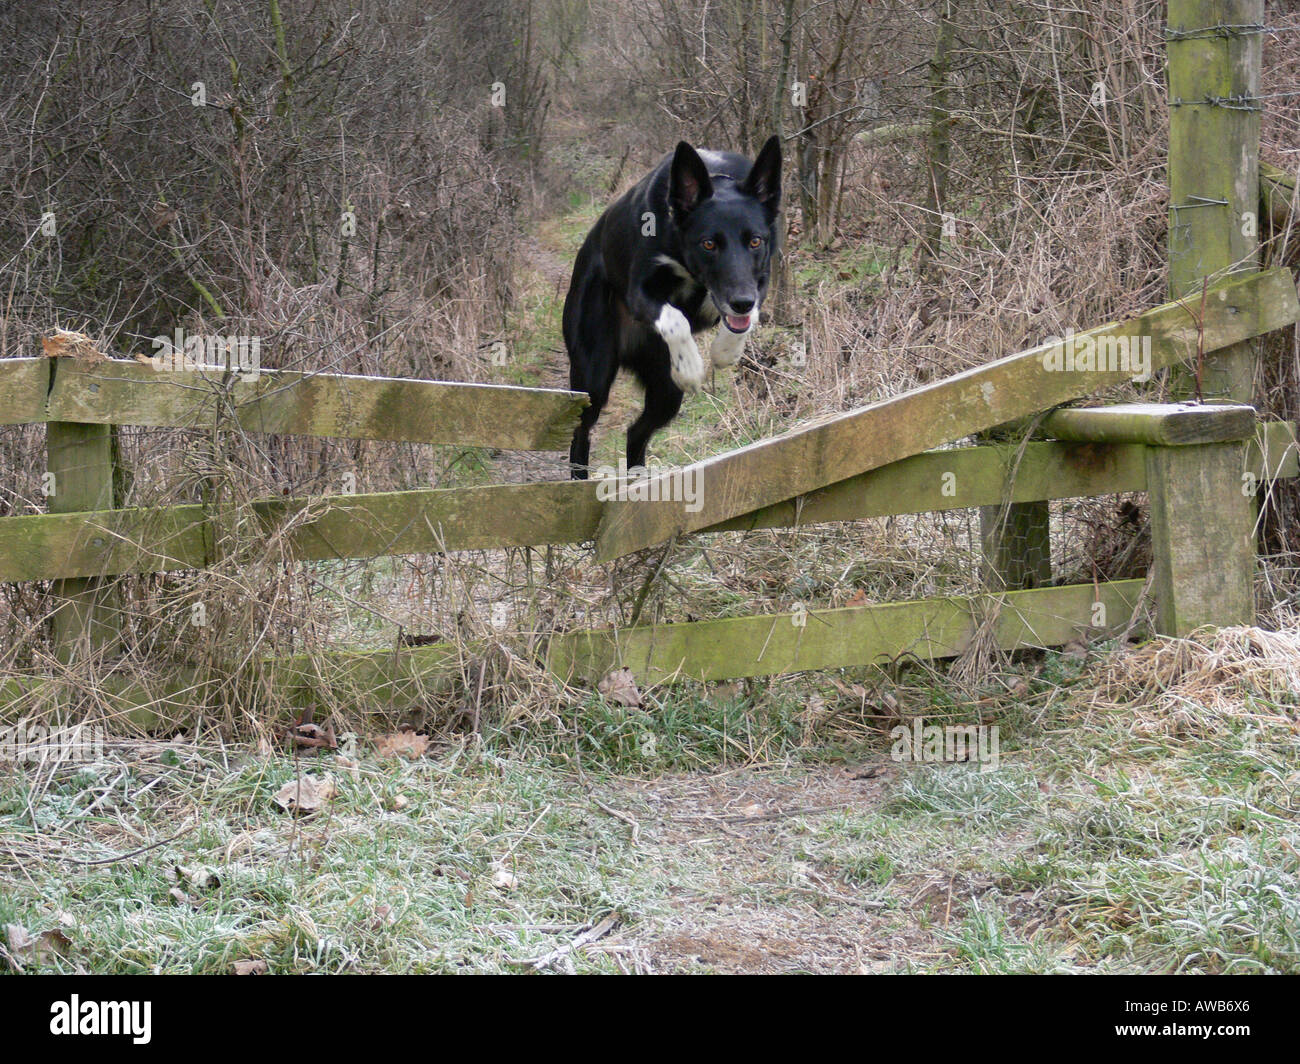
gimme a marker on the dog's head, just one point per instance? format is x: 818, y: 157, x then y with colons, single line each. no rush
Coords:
x: 727, y: 229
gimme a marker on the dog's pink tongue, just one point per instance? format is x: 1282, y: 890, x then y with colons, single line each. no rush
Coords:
x: 739, y: 324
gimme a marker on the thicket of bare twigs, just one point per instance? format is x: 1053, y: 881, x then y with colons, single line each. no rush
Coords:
x: 964, y: 181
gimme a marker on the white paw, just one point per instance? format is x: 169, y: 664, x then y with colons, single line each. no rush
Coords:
x: 684, y: 356
x: 727, y: 346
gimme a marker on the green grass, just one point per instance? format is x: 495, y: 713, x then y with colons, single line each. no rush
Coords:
x: 684, y: 729
x: 1089, y: 849
x: 398, y: 876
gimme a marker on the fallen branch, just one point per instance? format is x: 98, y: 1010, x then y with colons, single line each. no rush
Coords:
x: 625, y: 817
x: 563, y: 956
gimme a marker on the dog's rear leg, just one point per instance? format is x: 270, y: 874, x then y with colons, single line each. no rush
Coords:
x: 662, y: 401
x: 580, y: 449
x: 595, y: 376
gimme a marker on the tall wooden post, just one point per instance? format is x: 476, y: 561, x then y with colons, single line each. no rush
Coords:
x: 1215, y: 50
x: 1202, y: 521
x: 79, y: 459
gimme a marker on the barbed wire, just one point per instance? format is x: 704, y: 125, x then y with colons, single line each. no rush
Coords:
x: 1232, y: 103
x: 1226, y: 30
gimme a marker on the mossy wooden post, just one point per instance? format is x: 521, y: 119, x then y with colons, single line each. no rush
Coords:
x: 1202, y: 520
x: 1202, y: 536
x: 1215, y: 50
x: 1015, y: 537
x: 80, y: 465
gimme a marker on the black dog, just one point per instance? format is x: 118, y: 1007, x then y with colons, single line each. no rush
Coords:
x: 692, y: 243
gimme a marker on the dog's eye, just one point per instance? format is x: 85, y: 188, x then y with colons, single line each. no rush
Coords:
x: 708, y: 245
x: 756, y: 242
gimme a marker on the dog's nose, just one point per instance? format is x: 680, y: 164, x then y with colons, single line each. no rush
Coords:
x: 742, y: 306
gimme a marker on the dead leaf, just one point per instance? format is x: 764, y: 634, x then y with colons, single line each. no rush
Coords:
x: 382, y: 916
x: 888, y: 704
x: 1075, y: 650
x: 64, y: 343
x: 858, y: 598
x: 162, y: 215
x: 39, y: 948
x: 504, y: 880
x: 854, y: 691
x: 312, y: 736
x: 305, y: 795
x: 251, y: 967
x: 620, y: 686
x: 407, y: 744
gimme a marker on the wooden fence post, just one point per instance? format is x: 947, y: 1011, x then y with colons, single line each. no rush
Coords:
x: 1017, y: 544
x: 1215, y: 52
x: 1202, y: 536
x: 79, y: 459
x: 1202, y: 520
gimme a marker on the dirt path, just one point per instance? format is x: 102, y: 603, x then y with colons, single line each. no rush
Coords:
x: 752, y: 899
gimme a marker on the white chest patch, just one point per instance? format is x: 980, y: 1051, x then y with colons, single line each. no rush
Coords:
x: 728, y: 346
x: 684, y: 356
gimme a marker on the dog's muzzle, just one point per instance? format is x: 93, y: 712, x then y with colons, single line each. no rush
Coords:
x: 738, y: 323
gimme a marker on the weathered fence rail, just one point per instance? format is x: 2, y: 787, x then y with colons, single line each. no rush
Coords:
x: 279, y: 401
x: 736, y: 647
x: 493, y: 517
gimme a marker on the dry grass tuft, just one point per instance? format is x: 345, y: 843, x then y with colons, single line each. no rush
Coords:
x: 1195, y: 687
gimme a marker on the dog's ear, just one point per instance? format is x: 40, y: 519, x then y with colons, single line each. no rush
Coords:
x: 764, y: 180
x: 688, y: 180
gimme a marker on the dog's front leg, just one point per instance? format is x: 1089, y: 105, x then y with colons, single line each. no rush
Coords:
x: 685, y: 363
x: 687, y: 366
x: 728, y: 346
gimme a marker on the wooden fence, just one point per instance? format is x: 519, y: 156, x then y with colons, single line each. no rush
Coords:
x: 1200, y: 463
x: 1191, y: 458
